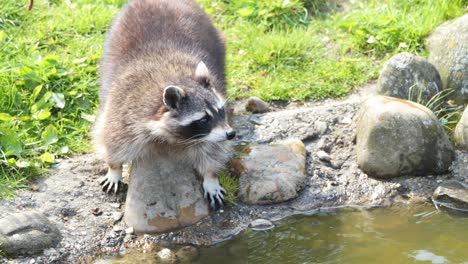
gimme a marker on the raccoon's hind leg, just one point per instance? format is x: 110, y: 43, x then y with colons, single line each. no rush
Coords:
x: 113, y: 178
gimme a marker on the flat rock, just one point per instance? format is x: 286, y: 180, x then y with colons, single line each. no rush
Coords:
x: 261, y: 225
x: 397, y: 137
x: 408, y: 76
x: 460, y: 135
x: 272, y: 173
x: 27, y: 233
x: 448, y: 51
x: 452, y: 196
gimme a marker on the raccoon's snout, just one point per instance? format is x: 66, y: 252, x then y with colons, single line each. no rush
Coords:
x: 230, y: 134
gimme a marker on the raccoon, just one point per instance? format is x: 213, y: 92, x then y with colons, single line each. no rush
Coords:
x: 162, y: 87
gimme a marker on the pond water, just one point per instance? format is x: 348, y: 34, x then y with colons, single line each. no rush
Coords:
x: 399, y: 234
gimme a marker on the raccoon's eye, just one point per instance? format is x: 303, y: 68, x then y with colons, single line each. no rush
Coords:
x: 203, y: 121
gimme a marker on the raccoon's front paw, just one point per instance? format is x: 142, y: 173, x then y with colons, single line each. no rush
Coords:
x: 112, y: 180
x: 214, y: 192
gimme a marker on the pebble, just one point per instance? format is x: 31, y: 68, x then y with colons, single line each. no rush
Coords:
x: 130, y: 230
x: 167, y: 256
x: 115, y: 205
x: 117, y: 216
x: 261, y: 225
x: 323, y: 156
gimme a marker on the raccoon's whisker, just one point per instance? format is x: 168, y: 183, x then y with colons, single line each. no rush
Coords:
x: 192, y: 139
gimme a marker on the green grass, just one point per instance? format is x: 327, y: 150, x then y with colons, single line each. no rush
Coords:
x: 231, y: 185
x: 277, y: 50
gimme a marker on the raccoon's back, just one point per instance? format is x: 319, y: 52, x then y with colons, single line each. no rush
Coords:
x: 148, y: 29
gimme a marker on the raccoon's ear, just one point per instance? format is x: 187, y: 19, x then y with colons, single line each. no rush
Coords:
x: 172, y: 96
x: 202, y: 74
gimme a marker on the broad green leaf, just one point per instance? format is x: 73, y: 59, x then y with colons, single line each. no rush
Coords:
x: 5, y: 117
x: 58, y: 99
x: 47, y: 157
x: 42, y: 104
x: 245, y: 12
x: 50, y: 135
x: 42, y: 114
x: 9, y: 143
x: 36, y: 92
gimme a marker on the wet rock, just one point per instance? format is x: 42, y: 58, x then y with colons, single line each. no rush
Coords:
x: 448, y: 51
x: 261, y: 225
x: 256, y: 105
x: 187, y: 254
x: 27, y: 233
x: 396, y: 137
x: 272, y: 173
x: 163, y: 195
x: 167, y: 256
x: 460, y: 135
x: 452, y: 196
x: 403, y: 71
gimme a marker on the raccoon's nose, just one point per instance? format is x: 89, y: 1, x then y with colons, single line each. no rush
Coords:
x: 230, y: 134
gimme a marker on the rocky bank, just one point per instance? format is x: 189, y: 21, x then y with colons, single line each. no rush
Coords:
x: 90, y: 221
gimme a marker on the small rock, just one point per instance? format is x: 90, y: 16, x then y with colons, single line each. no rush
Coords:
x: 321, y: 127
x: 405, y: 70
x: 166, y: 255
x: 261, y: 225
x: 460, y: 136
x: 346, y: 120
x: 130, y: 230
x: 272, y: 173
x: 117, y: 216
x: 115, y: 205
x: 256, y: 105
x: 323, y: 156
x: 96, y: 211
x: 117, y: 228
x: 187, y: 254
x: 27, y: 233
x: 452, y: 196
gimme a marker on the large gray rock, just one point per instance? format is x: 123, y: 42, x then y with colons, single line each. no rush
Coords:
x: 448, y: 51
x: 163, y: 195
x: 407, y: 76
x: 461, y: 132
x: 272, y: 173
x: 27, y: 233
x: 396, y: 137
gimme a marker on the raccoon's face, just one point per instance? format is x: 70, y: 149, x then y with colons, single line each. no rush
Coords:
x: 196, y: 111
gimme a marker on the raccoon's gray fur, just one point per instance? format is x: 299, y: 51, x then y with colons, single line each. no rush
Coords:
x: 162, y: 87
